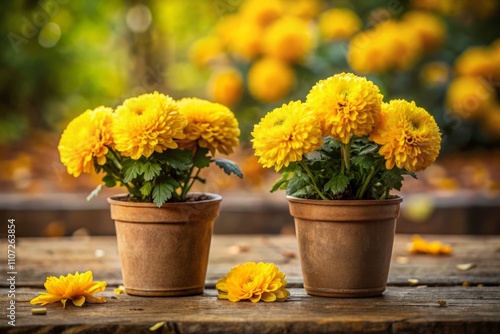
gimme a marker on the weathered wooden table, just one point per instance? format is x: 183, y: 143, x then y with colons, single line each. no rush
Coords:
x: 471, y: 307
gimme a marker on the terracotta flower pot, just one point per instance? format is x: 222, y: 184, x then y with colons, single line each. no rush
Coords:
x: 164, y: 251
x: 345, y: 246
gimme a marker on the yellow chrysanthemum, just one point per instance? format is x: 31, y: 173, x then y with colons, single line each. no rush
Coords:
x: 262, y: 12
x: 346, y: 104
x: 270, y: 80
x: 226, y: 86
x: 210, y: 125
x: 86, y: 137
x: 79, y: 288
x: 469, y: 97
x: 434, y: 73
x: 285, y: 134
x: 339, y: 23
x: 146, y: 124
x: 288, y: 39
x: 253, y: 281
x: 409, y: 136
x: 429, y: 28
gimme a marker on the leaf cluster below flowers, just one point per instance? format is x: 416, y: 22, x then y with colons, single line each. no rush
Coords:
x: 323, y: 174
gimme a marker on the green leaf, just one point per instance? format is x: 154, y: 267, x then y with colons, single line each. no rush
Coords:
x: 297, y: 184
x: 150, y: 170
x: 131, y: 169
x: 338, y: 183
x: 201, y: 158
x: 146, y: 189
x: 393, y: 179
x: 162, y: 192
x: 369, y: 149
x: 363, y: 161
x: 282, y: 182
x: 109, y: 181
x: 229, y: 167
x: 178, y: 159
x: 95, y: 192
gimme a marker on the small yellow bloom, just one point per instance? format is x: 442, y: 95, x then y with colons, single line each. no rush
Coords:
x: 205, y: 50
x: 409, y: 136
x: 339, y: 23
x: 435, y: 73
x: 253, y: 281
x: 304, y: 9
x: 146, y: 124
x: 285, y: 134
x: 245, y: 40
x: 79, y: 288
x: 477, y: 61
x: 86, y: 137
x: 226, y: 86
x: 270, y: 80
x: 346, y: 105
x: 288, y: 39
x: 210, y: 125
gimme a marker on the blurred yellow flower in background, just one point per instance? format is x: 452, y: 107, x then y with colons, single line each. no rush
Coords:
x: 245, y: 40
x: 409, y: 136
x: 435, y: 73
x: 468, y: 97
x: 346, y: 104
x: 477, y: 61
x: 270, y: 80
x: 339, y: 23
x: 304, y: 9
x: 288, y: 39
x: 261, y: 12
x: 253, y: 281
x: 430, y: 29
x: 285, y: 134
x: 225, y: 86
x: 205, y: 50
x: 146, y: 124
x: 210, y: 125
x: 79, y: 288
x: 86, y: 137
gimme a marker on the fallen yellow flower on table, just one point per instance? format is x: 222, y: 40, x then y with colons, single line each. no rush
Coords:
x: 253, y: 281
x: 420, y: 246
x: 79, y: 288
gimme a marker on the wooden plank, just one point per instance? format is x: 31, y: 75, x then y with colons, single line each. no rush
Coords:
x: 37, y: 258
x: 399, y: 310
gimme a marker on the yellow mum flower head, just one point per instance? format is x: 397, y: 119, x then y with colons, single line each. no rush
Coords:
x: 79, y: 288
x: 147, y: 123
x: 285, y: 134
x: 210, y: 125
x: 409, y: 136
x: 429, y: 28
x: 469, y: 97
x: 253, y: 281
x: 262, y: 12
x: 86, y: 137
x: 288, y: 39
x: 304, y: 9
x: 339, y: 23
x: 270, y: 80
x: 226, y: 86
x: 346, y: 104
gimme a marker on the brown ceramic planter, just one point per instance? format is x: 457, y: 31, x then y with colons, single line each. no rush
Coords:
x: 164, y: 251
x: 345, y: 246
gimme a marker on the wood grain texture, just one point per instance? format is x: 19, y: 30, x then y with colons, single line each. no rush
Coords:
x: 399, y: 310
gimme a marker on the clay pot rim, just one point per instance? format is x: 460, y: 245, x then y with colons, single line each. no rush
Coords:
x: 117, y: 200
x: 342, y: 202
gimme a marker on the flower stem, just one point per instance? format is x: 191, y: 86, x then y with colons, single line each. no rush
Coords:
x: 308, y: 171
x: 345, y: 150
x: 366, y: 182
